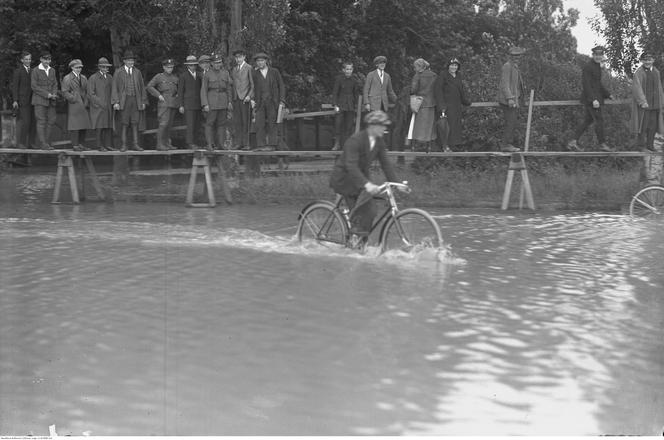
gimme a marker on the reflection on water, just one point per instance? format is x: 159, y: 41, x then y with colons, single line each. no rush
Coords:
x: 157, y: 319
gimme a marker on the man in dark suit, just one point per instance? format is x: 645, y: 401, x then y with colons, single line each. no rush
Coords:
x: 129, y: 99
x: 189, y: 94
x: 345, y: 93
x: 269, y: 94
x: 351, y: 176
x: 22, y: 95
x: 44, y: 83
x: 243, y: 92
x: 592, y: 97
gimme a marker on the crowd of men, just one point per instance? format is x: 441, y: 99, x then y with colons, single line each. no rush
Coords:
x: 252, y: 97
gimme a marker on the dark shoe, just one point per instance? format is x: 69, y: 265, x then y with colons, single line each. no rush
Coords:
x: 246, y: 148
x: 510, y: 149
x: 78, y: 148
x: 136, y: 148
x: 110, y: 148
x: 171, y: 147
x: 21, y: 147
x: 162, y: 148
x: 605, y: 147
x: 193, y: 147
x: 123, y: 148
x: 103, y: 149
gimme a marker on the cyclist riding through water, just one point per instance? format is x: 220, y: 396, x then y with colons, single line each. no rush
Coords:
x: 351, y: 177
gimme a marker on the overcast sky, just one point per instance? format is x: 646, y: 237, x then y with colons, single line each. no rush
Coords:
x: 586, y: 38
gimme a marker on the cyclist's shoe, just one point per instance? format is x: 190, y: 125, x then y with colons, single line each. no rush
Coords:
x: 357, y: 241
x: 605, y: 147
x: 573, y: 145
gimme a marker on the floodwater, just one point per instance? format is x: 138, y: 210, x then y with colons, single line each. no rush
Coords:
x: 141, y: 319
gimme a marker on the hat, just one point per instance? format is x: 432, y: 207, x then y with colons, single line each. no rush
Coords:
x: 377, y: 117
x: 128, y: 55
x: 646, y: 55
x: 380, y: 59
x: 239, y: 52
x: 261, y: 56
x: 204, y: 59
x: 103, y: 62
x: 454, y: 61
x: 516, y: 50
x: 217, y: 58
x: 75, y: 63
x: 598, y: 50
x: 191, y: 59
x: 168, y: 62
x: 45, y: 55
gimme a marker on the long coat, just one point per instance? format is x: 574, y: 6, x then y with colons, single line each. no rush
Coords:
x: 43, y: 84
x: 346, y: 92
x: 75, y: 91
x: 99, y: 91
x: 189, y: 90
x: 422, y: 85
x: 351, y: 169
x: 450, y: 97
x: 216, y: 89
x: 376, y: 93
x: 639, y: 97
x: 275, y: 84
x: 21, y: 89
x: 511, y: 84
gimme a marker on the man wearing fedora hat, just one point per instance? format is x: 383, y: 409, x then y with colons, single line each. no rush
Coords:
x: 22, y: 96
x: 351, y: 175
x: 204, y: 63
x: 189, y: 95
x: 243, y: 92
x: 593, y: 95
x: 129, y: 99
x: 215, y: 98
x: 269, y: 94
x: 378, y: 92
x: 510, y: 96
x: 75, y: 91
x: 100, y: 86
x: 164, y: 87
x: 647, y: 103
x: 44, y: 83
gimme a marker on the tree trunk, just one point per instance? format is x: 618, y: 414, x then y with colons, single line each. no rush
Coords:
x: 235, y: 7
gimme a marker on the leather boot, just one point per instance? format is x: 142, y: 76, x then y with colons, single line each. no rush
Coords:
x: 134, y: 132
x: 98, y: 139
x: 160, y: 138
x: 221, y: 137
x: 208, y: 137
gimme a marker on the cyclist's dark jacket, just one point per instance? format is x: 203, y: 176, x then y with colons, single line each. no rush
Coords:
x: 351, y: 170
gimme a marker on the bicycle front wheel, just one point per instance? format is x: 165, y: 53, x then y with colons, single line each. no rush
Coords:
x: 322, y: 223
x: 647, y: 203
x: 410, y: 229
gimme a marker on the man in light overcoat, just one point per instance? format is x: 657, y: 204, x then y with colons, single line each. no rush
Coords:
x: 75, y: 91
x: 100, y: 86
x: 647, y: 103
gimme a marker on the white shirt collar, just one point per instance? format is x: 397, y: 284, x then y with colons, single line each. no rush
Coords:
x: 45, y: 69
x: 372, y: 142
x: 126, y: 68
x: 192, y: 72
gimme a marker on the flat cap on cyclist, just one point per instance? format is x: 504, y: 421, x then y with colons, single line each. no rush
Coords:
x: 377, y: 117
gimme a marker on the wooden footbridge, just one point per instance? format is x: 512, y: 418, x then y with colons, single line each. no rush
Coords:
x: 203, y: 160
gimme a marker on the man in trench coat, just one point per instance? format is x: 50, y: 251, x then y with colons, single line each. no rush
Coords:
x: 100, y: 86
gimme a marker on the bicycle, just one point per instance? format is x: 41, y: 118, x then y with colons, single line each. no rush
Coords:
x: 328, y: 224
x: 648, y: 202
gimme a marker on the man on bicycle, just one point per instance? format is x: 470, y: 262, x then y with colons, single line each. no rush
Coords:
x: 351, y: 177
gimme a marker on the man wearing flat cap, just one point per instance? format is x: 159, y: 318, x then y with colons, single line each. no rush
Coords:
x: 510, y: 96
x: 75, y: 91
x: 593, y: 95
x: 100, y: 86
x: 189, y: 95
x: 22, y: 97
x: 243, y: 92
x: 44, y: 83
x: 164, y: 87
x: 269, y: 94
x: 351, y: 176
x: 378, y: 92
x: 647, y: 103
x: 129, y: 99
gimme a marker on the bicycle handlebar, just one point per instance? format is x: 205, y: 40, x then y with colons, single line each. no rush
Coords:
x: 401, y: 186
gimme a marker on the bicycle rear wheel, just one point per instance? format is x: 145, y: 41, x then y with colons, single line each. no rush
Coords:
x: 322, y: 223
x: 409, y: 229
x: 647, y: 203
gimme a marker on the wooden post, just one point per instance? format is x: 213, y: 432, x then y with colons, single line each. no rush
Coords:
x: 93, y: 176
x: 200, y: 160
x: 358, y: 115
x: 221, y: 177
x: 517, y: 164
x: 526, y: 145
x: 65, y: 162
